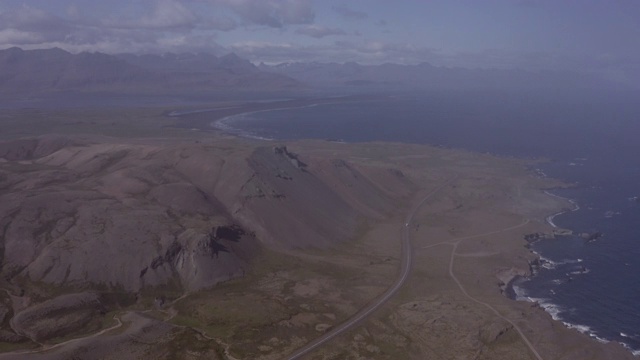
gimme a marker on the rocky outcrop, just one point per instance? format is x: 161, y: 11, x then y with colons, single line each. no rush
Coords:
x: 562, y: 232
x: 184, y: 217
x: 591, y: 236
x: 293, y: 158
x: 530, y: 238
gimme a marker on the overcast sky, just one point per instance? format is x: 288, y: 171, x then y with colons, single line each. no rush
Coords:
x: 600, y: 36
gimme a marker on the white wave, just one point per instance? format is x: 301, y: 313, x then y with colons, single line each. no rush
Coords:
x: 553, y: 309
x: 576, y: 207
x: 556, y: 310
x: 586, y: 330
x: 570, y: 261
x: 521, y: 293
x: 256, y: 137
x: 551, y: 264
x: 554, y: 195
x: 541, y: 173
x: 600, y: 339
x: 225, y: 120
x: 549, y: 220
x: 581, y: 328
x: 224, y: 125
x: 547, y: 263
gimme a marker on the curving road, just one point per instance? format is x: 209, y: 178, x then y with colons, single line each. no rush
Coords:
x: 405, y: 267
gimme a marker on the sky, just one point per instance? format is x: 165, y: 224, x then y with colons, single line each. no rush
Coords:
x: 594, y: 36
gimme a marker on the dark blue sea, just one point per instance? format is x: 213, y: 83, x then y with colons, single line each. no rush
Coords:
x: 591, y: 139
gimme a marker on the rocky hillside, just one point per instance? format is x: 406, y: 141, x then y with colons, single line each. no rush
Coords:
x: 132, y: 216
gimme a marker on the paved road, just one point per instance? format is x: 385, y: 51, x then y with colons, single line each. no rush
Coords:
x: 405, y: 267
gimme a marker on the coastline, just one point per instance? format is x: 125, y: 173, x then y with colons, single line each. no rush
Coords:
x: 208, y: 117
x: 517, y: 293
x: 479, y: 213
x: 550, y: 309
x: 549, y: 219
x: 223, y: 124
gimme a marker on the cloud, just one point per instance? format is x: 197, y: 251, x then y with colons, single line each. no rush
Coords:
x: 164, y: 15
x: 317, y: 31
x: 366, y: 52
x: 349, y: 13
x: 171, y: 15
x: 167, y: 14
x: 148, y: 25
x: 219, y: 23
x: 13, y: 36
x: 28, y: 25
x: 166, y: 26
x: 272, y: 13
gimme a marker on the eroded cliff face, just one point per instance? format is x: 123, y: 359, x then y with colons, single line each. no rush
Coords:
x: 184, y: 217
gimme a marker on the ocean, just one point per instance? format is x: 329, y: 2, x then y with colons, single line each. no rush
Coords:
x: 591, y: 139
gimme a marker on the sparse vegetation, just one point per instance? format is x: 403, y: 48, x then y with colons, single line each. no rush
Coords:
x: 267, y: 274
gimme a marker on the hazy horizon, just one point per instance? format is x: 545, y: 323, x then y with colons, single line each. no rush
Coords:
x: 592, y: 37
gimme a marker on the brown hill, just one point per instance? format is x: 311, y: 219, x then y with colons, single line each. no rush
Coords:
x: 134, y: 216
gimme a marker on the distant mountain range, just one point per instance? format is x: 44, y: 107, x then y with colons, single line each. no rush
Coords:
x: 28, y: 71
x: 54, y: 70
x: 426, y: 76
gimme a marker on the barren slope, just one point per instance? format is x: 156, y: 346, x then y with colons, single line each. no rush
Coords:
x: 133, y: 217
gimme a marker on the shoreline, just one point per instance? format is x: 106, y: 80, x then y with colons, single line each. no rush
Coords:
x: 517, y: 293
x: 223, y: 123
x: 510, y: 290
x: 205, y: 117
x: 549, y: 219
